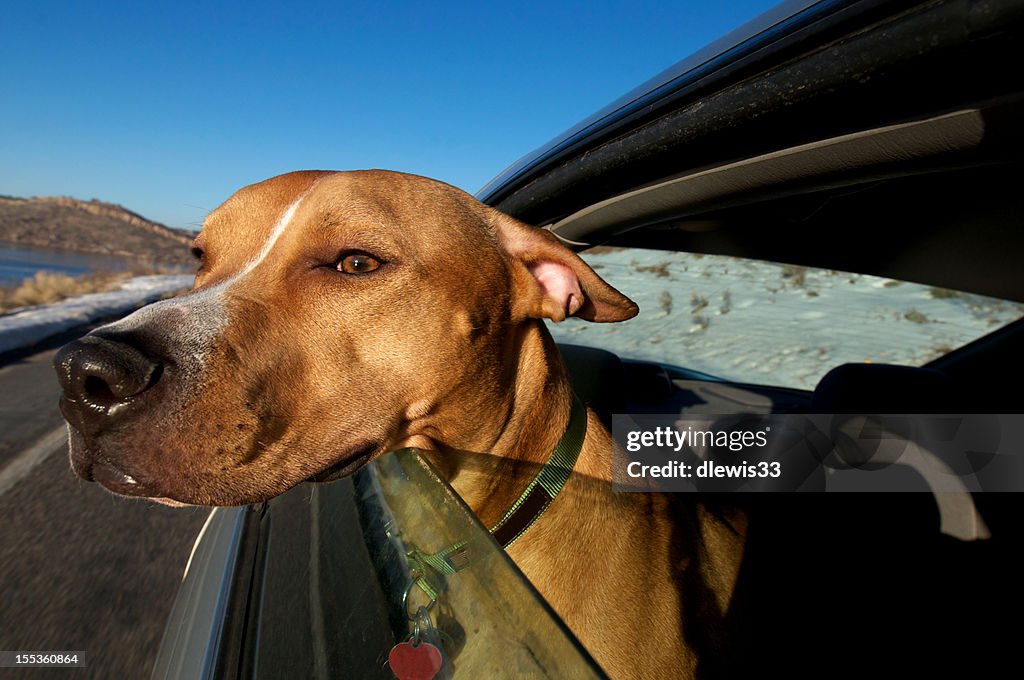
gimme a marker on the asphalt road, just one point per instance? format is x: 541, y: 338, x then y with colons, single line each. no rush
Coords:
x: 80, y: 569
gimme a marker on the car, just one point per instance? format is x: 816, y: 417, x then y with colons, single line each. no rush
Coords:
x: 818, y: 214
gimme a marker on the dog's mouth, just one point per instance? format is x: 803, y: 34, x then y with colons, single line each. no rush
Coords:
x: 348, y: 465
x: 118, y: 481
x: 93, y: 466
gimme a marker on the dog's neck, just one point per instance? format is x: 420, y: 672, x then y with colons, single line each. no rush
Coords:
x: 527, y: 416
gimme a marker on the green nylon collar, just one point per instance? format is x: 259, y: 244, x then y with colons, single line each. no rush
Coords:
x: 531, y: 504
x: 548, y: 481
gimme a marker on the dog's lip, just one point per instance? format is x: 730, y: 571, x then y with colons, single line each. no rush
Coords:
x: 117, y: 480
x: 170, y: 502
x: 348, y: 465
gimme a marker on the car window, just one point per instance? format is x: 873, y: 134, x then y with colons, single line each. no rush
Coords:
x: 337, y: 587
x: 763, y: 322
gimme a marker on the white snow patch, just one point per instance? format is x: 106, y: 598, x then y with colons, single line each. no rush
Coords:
x: 27, y: 326
x: 762, y: 322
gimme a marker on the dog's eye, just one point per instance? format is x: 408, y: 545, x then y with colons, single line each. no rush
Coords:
x: 358, y: 263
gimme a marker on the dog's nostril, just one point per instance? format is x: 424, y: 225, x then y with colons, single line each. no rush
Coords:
x: 98, y: 390
x: 100, y: 374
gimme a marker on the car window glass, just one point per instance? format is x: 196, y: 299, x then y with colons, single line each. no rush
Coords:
x: 337, y: 589
x: 763, y: 322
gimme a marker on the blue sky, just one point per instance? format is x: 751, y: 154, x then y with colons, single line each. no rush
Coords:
x: 169, y: 107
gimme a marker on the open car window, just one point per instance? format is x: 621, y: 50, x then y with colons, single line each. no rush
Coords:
x: 333, y: 587
x: 767, y: 323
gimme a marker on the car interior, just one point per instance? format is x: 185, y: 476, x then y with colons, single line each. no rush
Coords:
x: 841, y: 583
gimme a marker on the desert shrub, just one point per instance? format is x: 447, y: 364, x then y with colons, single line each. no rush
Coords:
x: 660, y: 270
x: 915, y: 316
x: 942, y: 293
x: 46, y: 287
x: 796, y: 274
x: 665, y: 301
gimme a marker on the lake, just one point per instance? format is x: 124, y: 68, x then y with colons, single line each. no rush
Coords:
x: 19, y: 261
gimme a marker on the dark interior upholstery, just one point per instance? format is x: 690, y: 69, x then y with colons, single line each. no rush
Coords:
x: 883, y: 388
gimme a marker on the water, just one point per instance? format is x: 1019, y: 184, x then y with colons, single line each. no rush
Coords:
x: 19, y: 262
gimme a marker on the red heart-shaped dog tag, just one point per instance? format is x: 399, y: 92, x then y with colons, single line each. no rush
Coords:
x: 414, y: 662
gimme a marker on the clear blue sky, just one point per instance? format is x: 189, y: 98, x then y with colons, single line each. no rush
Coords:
x: 168, y: 107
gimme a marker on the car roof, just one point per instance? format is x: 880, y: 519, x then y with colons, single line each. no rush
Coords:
x: 875, y: 137
x: 744, y: 39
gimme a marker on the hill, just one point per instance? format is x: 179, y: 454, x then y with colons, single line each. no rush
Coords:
x: 92, y: 227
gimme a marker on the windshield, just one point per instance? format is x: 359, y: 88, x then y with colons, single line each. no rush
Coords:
x: 769, y: 323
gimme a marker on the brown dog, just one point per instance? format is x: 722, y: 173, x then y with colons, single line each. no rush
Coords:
x: 338, y: 316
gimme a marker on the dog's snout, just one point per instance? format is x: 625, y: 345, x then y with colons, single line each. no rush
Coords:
x: 99, y: 377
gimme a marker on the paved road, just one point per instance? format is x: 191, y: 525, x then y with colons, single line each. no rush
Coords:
x: 80, y: 569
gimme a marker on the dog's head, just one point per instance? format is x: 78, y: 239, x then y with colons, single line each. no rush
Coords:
x: 335, y: 316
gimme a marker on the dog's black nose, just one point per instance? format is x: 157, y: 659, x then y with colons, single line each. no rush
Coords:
x: 100, y: 377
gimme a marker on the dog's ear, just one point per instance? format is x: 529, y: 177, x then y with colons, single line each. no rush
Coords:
x: 551, y: 281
